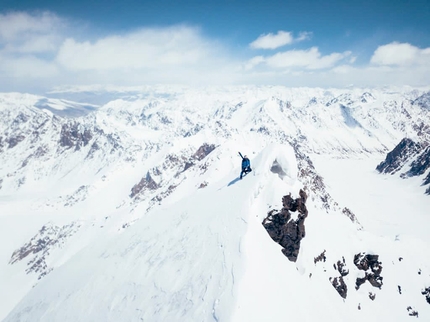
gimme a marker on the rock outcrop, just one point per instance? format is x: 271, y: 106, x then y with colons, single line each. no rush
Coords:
x: 410, y: 157
x: 38, y: 249
x: 340, y: 286
x: 285, y: 231
x: 398, y: 157
x: 372, y: 267
x: 426, y: 293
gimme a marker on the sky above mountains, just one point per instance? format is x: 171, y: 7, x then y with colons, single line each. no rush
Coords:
x: 48, y: 44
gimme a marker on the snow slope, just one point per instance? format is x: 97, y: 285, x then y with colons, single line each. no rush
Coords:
x: 144, y: 217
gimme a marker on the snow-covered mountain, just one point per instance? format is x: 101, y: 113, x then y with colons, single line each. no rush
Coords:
x: 133, y: 210
x: 411, y: 157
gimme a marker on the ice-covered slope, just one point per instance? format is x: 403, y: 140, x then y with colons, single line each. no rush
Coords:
x: 150, y: 174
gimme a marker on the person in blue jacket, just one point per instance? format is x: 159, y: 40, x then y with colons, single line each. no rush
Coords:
x: 246, y: 165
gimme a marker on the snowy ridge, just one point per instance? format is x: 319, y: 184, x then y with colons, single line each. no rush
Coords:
x: 163, y: 229
x: 409, y: 158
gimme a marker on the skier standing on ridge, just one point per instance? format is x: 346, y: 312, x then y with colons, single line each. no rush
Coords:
x: 246, y: 165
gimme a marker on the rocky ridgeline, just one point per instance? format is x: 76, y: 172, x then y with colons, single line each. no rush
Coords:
x: 152, y: 183
x: 409, y: 157
x: 38, y: 249
x: 285, y: 231
x: 399, y: 156
x: 315, y: 185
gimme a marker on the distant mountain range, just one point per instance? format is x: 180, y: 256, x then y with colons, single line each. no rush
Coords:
x: 129, y: 207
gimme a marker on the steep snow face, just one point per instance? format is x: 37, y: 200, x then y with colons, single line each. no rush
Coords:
x: 179, y: 263
x: 136, y: 210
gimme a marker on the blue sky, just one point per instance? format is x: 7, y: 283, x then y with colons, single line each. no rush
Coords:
x: 46, y: 44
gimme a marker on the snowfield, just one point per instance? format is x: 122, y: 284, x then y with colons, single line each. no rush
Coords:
x: 135, y: 211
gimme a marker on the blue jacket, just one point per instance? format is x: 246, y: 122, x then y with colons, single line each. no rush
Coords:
x: 245, y: 163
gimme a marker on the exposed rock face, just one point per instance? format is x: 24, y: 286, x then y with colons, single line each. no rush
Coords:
x: 426, y: 293
x: 13, y: 141
x: 285, y: 231
x: 371, y: 266
x: 423, y: 101
x: 320, y: 258
x: 411, y: 311
x: 415, y: 155
x: 203, y: 151
x: 347, y: 212
x: 338, y: 282
x: 73, y: 136
x: 397, y: 158
x: 38, y: 248
x: 340, y: 286
x: 420, y: 165
x: 145, y: 183
x: 172, y: 163
x: 341, y: 267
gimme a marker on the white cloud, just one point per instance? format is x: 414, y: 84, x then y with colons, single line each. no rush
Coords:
x: 27, y: 67
x: 271, y: 41
x: 40, y: 50
x: 178, y: 46
x: 304, y: 35
x: 282, y: 38
x: 400, y: 54
x: 254, y: 61
x: 308, y: 59
x: 22, y: 32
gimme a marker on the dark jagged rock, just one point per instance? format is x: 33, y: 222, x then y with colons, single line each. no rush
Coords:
x: 203, y: 151
x: 282, y: 229
x: 426, y: 293
x: 188, y: 165
x: 341, y: 267
x: 372, y: 267
x: 411, y: 311
x: 72, y: 135
x: 397, y: 158
x: 372, y: 296
x: 423, y: 101
x: 427, y: 180
x: 320, y: 258
x: 40, y: 152
x: 421, y: 165
x: 308, y: 175
x: 145, y: 183
x: 340, y: 286
x: 13, y: 141
x: 365, y: 261
x: 37, y: 250
x: 347, y: 212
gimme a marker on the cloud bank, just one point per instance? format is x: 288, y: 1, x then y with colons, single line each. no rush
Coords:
x: 41, y: 50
